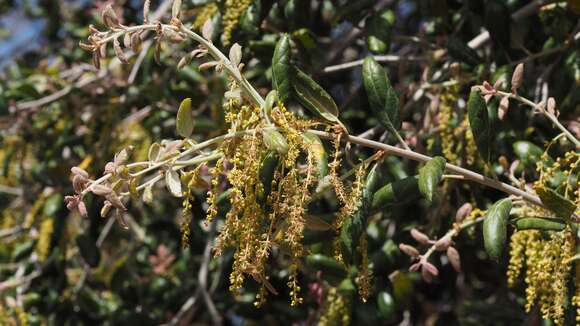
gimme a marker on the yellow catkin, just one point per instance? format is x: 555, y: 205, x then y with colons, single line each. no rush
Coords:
x: 336, y: 309
x: 517, y: 251
x: 365, y: 278
x: 44, y: 237
x: 233, y: 11
x: 457, y: 142
x: 33, y: 211
x: 547, y: 270
x: 204, y: 13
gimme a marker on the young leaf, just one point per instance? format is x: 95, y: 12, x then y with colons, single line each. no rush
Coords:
x: 495, y: 228
x: 430, y: 175
x: 313, y: 97
x: 555, y: 202
x: 270, y: 101
x: 281, y: 68
x: 235, y: 54
x: 382, y: 97
x: 173, y: 182
x: 480, y: 123
x: 540, y: 223
x: 185, y: 118
x: 154, y: 151
x: 148, y: 194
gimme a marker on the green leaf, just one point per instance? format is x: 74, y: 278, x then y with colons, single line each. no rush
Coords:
x: 555, y: 202
x: 540, y: 223
x: 382, y: 97
x: 270, y: 101
x: 313, y: 97
x: 185, y: 118
x: 88, y: 250
x: 386, y: 305
x: 495, y: 228
x: 480, y: 123
x: 398, y: 192
x: 281, y: 68
x: 430, y: 175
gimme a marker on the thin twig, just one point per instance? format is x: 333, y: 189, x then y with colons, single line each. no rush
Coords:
x: 468, y: 174
x: 378, y: 58
x: 545, y: 112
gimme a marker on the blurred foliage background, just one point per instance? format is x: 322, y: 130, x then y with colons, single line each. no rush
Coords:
x: 58, y: 111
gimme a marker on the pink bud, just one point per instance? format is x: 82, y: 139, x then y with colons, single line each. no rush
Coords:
x: 430, y: 268
x: 78, y: 171
x: 409, y: 250
x: 488, y: 86
x: 454, y: 258
x: 503, y: 107
x: 517, y: 77
x: 415, y: 267
x: 421, y: 237
x: 463, y: 212
x: 82, y: 209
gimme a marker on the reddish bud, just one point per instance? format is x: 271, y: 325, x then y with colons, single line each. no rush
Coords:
x: 409, y: 250
x: 454, y: 258
x: 421, y: 237
x: 463, y: 212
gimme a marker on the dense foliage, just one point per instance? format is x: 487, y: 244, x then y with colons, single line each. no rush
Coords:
x: 291, y: 162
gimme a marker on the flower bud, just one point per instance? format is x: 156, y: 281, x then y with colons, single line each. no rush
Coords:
x: 463, y: 212
x: 454, y: 258
x: 421, y: 237
x: 517, y: 77
x: 409, y: 250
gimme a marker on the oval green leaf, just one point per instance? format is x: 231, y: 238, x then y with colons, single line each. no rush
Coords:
x: 382, y: 97
x: 386, y: 305
x: 540, y: 223
x: 430, y: 175
x: 281, y: 68
x: 480, y: 123
x: 313, y: 97
x: 184, y: 121
x: 495, y: 228
x: 555, y: 202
